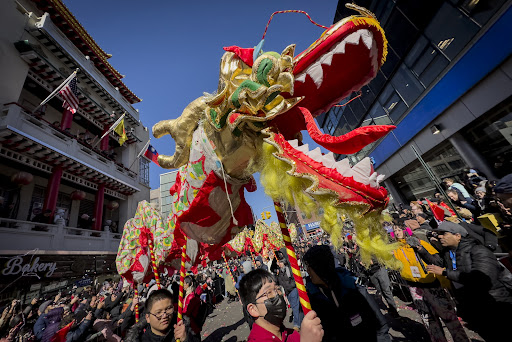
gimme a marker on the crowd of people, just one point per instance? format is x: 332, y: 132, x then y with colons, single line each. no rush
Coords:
x: 450, y: 272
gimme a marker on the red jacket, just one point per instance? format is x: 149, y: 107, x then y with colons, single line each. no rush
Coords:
x: 259, y: 334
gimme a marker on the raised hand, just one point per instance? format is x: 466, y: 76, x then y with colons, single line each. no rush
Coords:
x: 311, y: 328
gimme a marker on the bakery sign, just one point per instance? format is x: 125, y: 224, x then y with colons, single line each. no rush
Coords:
x: 17, y: 266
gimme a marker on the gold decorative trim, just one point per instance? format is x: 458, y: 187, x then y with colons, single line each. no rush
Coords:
x: 357, y: 21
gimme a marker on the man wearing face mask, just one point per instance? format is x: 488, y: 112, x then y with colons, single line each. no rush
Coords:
x: 264, y: 303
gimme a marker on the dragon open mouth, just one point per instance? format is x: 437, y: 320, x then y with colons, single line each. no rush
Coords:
x: 344, y: 59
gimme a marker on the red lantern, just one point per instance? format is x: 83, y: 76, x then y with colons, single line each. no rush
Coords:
x: 113, y: 205
x: 77, y: 195
x: 22, y: 178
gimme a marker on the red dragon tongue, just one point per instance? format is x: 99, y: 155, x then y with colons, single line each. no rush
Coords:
x: 349, y: 143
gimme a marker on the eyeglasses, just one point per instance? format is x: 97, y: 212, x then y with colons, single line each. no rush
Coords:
x: 166, y: 313
x: 272, y: 293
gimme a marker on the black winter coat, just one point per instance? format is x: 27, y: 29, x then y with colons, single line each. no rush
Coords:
x: 477, y: 272
x: 287, y: 282
x: 357, y: 318
x: 482, y: 299
x: 141, y: 332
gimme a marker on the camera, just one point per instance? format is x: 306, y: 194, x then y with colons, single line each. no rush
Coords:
x: 431, y: 234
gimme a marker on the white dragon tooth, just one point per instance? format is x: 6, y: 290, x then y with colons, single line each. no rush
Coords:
x: 316, y: 72
x: 367, y: 38
x: 373, y: 180
x: 364, y: 167
x: 301, y: 77
x: 362, y: 171
x: 380, y: 178
x: 315, y: 154
x: 303, y: 148
x: 294, y: 143
x: 353, y: 38
x: 328, y: 160
x: 373, y: 177
x: 327, y: 59
x: 339, y: 48
x: 342, y: 166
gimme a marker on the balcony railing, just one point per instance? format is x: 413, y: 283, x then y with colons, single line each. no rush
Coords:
x: 16, y: 235
x: 18, y: 117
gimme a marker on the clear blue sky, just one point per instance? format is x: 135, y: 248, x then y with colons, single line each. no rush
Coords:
x: 170, y: 50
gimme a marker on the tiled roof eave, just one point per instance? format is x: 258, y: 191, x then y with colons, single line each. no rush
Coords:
x: 61, y: 16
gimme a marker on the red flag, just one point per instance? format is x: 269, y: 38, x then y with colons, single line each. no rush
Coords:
x: 60, y: 336
x: 447, y: 207
x: 152, y: 154
x: 437, y: 211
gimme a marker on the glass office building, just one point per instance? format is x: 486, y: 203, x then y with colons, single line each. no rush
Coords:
x: 446, y: 85
x: 167, y: 180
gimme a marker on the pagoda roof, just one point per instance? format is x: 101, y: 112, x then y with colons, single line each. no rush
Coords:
x: 76, y: 33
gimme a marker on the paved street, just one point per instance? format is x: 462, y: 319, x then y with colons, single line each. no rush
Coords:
x: 226, y: 323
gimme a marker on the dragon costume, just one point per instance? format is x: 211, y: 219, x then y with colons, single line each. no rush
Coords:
x: 253, y: 123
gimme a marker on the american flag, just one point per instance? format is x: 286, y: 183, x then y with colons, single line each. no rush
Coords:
x: 70, y: 95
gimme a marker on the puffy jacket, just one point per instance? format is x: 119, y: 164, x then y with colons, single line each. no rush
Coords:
x: 477, y: 271
x: 52, y: 319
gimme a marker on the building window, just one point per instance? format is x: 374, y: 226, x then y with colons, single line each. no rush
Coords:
x: 378, y: 82
x: 404, y: 33
x: 379, y: 115
x: 144, y: 171
x: 382, y: 9
x: 425, y: 61
x: 351, y: 119
x: 392, y: 61
x: 407, y: 85
x: 492, y: 137
x: 342, y: 127
x: 450, y: 30
x: 441, y: 169
x: 414, y: 182
x: 36, y: 203
x: 393, y: 104
x: 330, y: 127
x: 358, y: 109
x: 367, y: 121
x: 367, y: 97
x: 481, y: 11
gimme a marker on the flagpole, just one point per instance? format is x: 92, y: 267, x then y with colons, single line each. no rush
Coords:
x: 53, y: 93
x: 111, y: 128
x: 140, y: 153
